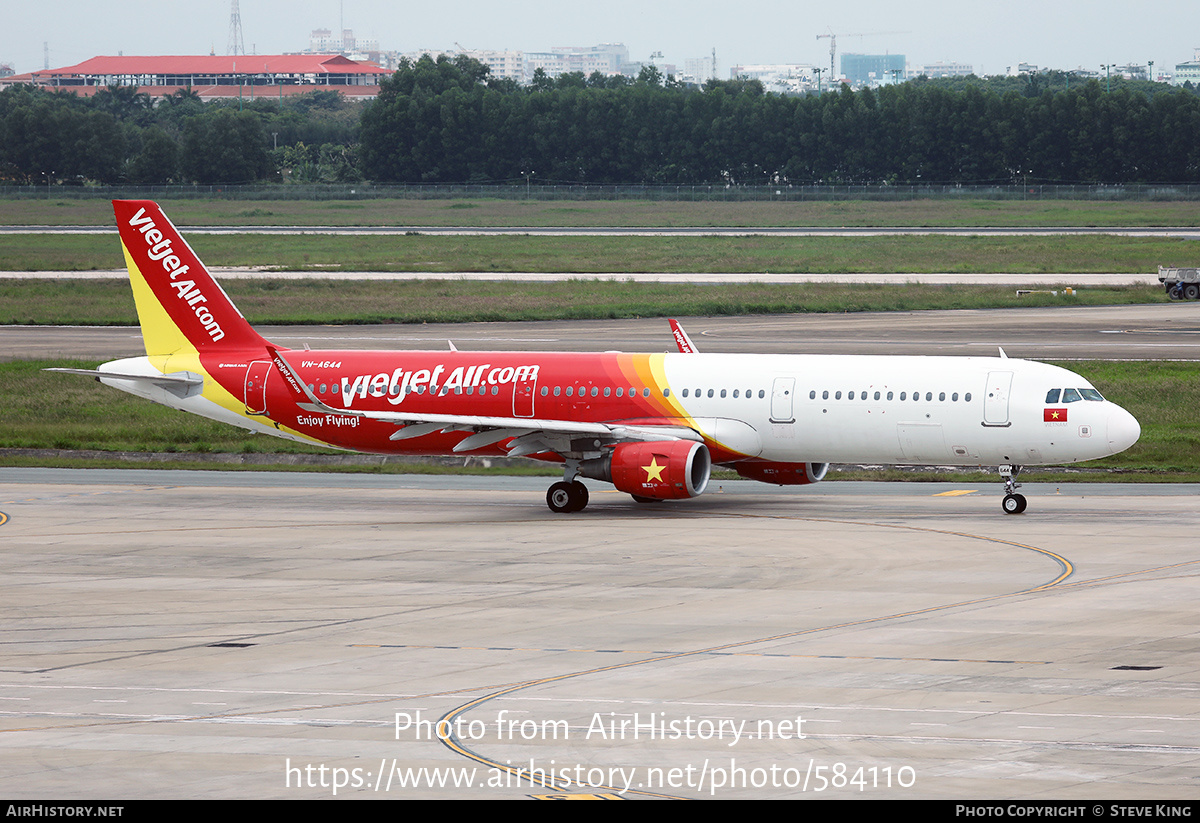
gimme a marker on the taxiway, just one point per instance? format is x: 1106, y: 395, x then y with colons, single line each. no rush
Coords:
x: 1167, y: 331
x: 214, y: 635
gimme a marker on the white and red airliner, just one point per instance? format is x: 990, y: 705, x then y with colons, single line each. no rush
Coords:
x: 653, y: 425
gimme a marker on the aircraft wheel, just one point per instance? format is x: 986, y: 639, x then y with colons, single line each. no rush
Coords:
x: 560, y: 498
x: 579, y: 496
x: 1013, y: 503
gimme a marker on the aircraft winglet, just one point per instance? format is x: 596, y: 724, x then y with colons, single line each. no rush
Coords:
x: 685, y: 344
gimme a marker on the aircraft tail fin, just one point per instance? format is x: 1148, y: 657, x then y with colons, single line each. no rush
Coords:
x: 180, y: 306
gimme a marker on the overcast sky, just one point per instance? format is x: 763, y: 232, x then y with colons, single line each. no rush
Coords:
x: 990, y: 36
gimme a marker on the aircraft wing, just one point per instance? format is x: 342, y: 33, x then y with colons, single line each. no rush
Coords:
x: 531, y: 435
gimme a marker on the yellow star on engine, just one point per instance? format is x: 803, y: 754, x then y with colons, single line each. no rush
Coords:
x: 654, y: 471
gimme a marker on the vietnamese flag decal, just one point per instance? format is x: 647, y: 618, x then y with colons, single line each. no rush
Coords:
x: 1054, y: 416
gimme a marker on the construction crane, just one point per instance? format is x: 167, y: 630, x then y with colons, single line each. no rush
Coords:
x: 833, y: 45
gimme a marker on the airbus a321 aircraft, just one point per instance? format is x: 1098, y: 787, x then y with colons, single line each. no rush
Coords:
x: 653, y: 425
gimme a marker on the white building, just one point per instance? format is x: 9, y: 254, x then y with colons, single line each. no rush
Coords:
x: 1190, y: 71
x: 698, y: 70
x: 324, y: 41
x: 607, y: 58
x: 785, y: 78
x: 509, y: 65
x: 941, y: 70
x: 1133, y: 72
x: 502, y: 64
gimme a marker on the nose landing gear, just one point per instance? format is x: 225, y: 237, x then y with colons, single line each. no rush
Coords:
x: 1013, y: 503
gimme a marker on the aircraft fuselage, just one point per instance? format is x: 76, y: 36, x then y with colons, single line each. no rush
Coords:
x: 787, y: 408
x: 651, y: 424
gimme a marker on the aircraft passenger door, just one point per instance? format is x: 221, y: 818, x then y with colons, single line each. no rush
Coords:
x: 523, y: 392
x: 256, y: 386
x: 995, y: 398
x: 781, y: 400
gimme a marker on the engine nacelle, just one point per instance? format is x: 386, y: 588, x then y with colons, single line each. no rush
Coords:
x: 662, y: 470
x: 783, y: 474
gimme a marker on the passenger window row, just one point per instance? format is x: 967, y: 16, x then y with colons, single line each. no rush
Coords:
x: 596, y: 391
x: 867, y: 395
x: 570, y: 391
x: 334, y: 388
x: 1067, y: 395
x: 749, y: 393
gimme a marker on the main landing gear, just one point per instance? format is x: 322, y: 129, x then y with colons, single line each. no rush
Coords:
x: 1013, y: 503
x: 564, y: 497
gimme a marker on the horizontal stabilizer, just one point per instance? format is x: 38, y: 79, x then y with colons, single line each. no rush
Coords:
x: 180, y: 384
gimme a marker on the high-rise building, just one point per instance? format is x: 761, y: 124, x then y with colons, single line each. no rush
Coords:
x: 698, y: 70
x: 871, y: 69
x: 606, y: 58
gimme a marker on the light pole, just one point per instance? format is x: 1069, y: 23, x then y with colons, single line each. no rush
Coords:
x: 1107, y: 81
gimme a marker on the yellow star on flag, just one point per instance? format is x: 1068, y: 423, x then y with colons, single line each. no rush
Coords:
x: 654, y: 471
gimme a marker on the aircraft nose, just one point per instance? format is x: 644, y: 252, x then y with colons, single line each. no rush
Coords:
x: 1123, y: 429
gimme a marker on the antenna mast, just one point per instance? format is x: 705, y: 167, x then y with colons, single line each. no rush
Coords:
x: 236, y: 45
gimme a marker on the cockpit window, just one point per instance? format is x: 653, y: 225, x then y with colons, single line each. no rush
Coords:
x: 1071, y: 396
x: 1091, y: 394
x: 1052, y: 395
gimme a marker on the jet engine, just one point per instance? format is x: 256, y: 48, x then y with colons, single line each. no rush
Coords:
x: 661, y: 470
x: 782, y: 474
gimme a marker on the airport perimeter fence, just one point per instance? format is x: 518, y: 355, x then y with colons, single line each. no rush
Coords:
x: 519, y: 191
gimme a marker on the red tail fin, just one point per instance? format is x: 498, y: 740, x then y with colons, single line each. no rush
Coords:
x: 179, y: 305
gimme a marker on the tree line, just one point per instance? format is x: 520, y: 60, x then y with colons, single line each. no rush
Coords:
x: 122, y: 136
x: 449, y: 121
x: 445, y: 121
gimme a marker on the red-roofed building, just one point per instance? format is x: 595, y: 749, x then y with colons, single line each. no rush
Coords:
x: 213, y: 76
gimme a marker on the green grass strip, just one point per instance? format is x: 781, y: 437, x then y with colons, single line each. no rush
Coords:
x: 301, y: 302
x: 628, y: 213
x: 762, y: 254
